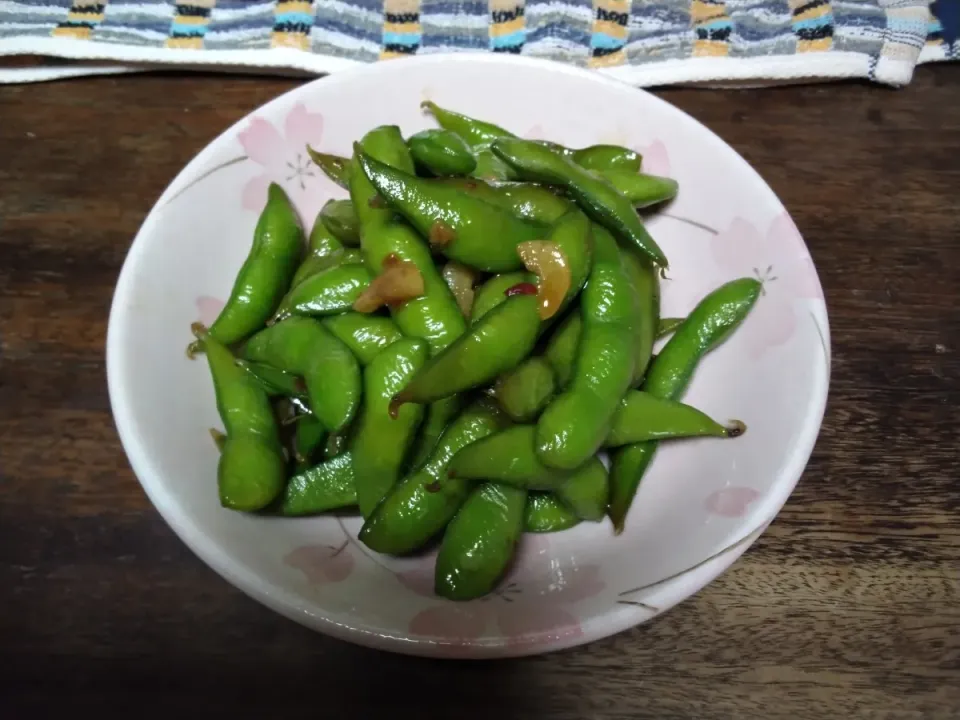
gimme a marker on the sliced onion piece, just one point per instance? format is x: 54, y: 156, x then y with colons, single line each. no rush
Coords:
x: 460, y: 280
x: 549, y: 264
x: 400, y: 281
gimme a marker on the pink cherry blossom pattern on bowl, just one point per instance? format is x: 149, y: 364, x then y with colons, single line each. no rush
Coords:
x: 322, y: 563
x: 532, y: 606
x: 779, y: 259
x: 283, y: 159
x: 208, y: 309
x: 731, y: 502
x: 656, y: 161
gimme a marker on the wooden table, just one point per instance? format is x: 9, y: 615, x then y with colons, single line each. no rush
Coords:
x: 849, y: 606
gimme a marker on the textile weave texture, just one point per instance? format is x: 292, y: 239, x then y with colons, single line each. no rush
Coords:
x: 644, y: 42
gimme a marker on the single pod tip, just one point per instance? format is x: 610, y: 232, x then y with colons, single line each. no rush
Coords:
x: 275, y: 191
x: 200, y: 332
x: 736, y: 428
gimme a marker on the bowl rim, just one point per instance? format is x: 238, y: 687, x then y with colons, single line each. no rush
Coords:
x: 678, y: 587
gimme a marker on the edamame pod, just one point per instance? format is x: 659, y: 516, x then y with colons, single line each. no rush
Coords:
x: 366, y: 335
x: 493, y: 292
x: 586, y: 491
x: 251, y: 470
x: 479, y: 542
x: 706, y: 327
x: 495, y: 344
x: 574, y: 425
x: 340, y: 219
x: 641, y: 190
x: 544, y: 513
x: 435, y: 316
x: 595, y: 196
x: 710, y: 323
x: 266, y: 273
x: 534, y: 203
x: 335, y: 167
x: 524, y: 391
x: 324, y: 251
x: 331, y: 291
x: 666, y: 326
x: 607, y: 157
x: 459, y: 225
x: 308, y: 435
x: 474, y: 132
x: 304, y: 347
x: 437, y: 418
x: 646, y: 285
x: 507, y: 457
x: 441, y: 152
x: 327, y: 486
x: 382, y: 440
x: 425, y: 501
x: 561, y: 351
x: 274, y: 381
x: 642, y: 416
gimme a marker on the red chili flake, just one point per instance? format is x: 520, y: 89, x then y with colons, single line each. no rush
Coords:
x: 521, y: 289
x: 433, y: 487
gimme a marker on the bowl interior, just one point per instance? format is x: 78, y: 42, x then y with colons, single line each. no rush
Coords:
x: 700, y: 501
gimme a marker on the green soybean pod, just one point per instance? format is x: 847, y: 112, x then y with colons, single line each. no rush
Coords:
x: 251, y: 470
x: 424, y: 502
x: 574, y: 425
x: 524, y: 391
x: 646, y: 285
x: 493, y: 292
x: 710, y: 323
x: 586, y: 491
x: 544, y: 513
x: 607, y: 157
x: 266, y: 273
x: 479, y: 542
x: 335, y: 167
x: 561, y: 350
x: 441, y: 152
x: 381, y: 441
x: 328, y: 292
x: 340, y: 219
x: 302, y: 346
x: 327, y: 486
x: 366, y: 335
x: 434, y: 316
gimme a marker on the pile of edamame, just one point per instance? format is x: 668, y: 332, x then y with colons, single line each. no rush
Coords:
x: 454, y: 344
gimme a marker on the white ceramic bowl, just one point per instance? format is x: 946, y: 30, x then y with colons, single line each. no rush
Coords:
x: 702, y: 502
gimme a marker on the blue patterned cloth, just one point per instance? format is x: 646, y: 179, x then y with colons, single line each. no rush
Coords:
x: 646, y: 42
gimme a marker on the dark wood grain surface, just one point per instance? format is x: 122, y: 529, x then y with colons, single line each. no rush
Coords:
x: 848, y: 607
